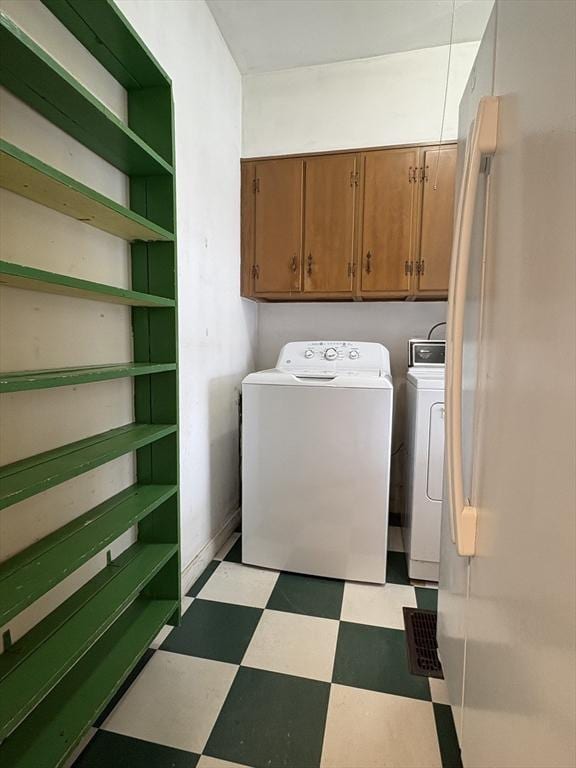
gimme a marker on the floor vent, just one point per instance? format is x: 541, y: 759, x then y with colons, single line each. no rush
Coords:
x: 421, y: 640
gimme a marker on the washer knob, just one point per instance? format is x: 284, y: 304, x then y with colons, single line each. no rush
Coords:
x: 331, y: 353
x: 309, y: 353
x: 354, y: 354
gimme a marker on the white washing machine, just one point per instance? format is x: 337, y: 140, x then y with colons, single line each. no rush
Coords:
x: 425, y: 463
x: 316, y: 461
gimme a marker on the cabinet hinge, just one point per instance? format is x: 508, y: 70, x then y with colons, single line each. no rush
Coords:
x: 255, y: 271
x: 424, y: 173
x: 354, y: 177
x: 351, y: 269
x: 420, y: 267
x: 408, y: 267
x: 256, y: 185
x: 412, y: 170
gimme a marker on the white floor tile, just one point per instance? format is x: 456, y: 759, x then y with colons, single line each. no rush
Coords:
x: 380, y: 606
x: 424, y: 584
x: 175, y: 701
x: 186, y: 603
x: 241, y: 584
x: 439, y: 690
x: 161, y: 636
x: 223, y: 551
x: 366, y: 729
x: 215, y: 762
x: 395, y: 542
x: 294, y: 645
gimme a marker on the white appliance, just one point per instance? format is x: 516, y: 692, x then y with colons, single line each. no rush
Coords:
x: 316, y: 441
x: 424, y: 470
x: 507, y: 600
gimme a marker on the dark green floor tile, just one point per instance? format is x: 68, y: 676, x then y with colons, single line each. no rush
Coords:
x: 396, y: 569
x: 203, y: 578
x: 235, y: 554
x: 375, y: 658
x: 111, y: 750
x: 213, y: 630
x: 144, y: 659
x: 310, y: 595
x: 271, y: 721
x: 447, y: 739
x: 427, y: 599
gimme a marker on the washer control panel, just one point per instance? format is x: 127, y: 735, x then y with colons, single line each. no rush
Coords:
x: 330, y: 356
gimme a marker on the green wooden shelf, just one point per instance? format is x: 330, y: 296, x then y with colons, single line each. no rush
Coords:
x: 31, y: 279
x: 19, y: 381
x: 37, y: 79
x: 102, y: 29
x: 57, y: 678
x: 31, y: 573
x: 28, y: 176
x: 27, y: 685
x: 47, y: 737
x: 25, y: 478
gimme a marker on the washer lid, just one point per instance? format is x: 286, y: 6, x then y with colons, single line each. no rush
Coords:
x: 321, y: 378
x: 426, y: 378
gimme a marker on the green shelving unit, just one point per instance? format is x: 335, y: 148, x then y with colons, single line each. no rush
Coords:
x: 57, y: 678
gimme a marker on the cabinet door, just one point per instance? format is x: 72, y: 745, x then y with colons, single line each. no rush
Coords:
x: 331, y: 182
x: 278, y: 226
x: 247, y: 177
x: 389, y: 219
x: 433, y: 265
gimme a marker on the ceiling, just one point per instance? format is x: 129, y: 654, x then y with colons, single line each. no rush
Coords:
x: 266, y: 35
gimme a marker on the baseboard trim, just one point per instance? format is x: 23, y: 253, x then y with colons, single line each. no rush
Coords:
x: 206, y: 554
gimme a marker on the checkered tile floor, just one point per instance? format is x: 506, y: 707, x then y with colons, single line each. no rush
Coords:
x: 273, y: 669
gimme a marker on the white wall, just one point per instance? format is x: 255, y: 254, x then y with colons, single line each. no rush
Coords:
x: 393, y: 99
x: 217, y: 330
x: 391, y: 323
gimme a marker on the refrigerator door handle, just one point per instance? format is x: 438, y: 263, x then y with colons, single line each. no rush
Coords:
x: 481, y: 142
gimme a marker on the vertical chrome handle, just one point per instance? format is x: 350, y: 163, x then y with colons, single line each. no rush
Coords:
x: 368, y: 263
x: 481, y: 141
x: 309, y: 267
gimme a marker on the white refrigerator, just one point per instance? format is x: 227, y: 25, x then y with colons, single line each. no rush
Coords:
x: 507, y: 600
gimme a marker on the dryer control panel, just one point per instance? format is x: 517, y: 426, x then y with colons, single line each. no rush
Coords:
x: 334, y: 356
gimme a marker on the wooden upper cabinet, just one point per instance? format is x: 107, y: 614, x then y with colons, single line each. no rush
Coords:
x: 331, y: 183
x: 278, y: 191
x: 375, y: 224
x: 390, y: 188
x: 247, y: 177
x: 433, y: 264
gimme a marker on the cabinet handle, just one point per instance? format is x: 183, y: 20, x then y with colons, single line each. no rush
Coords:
x: 368, y: 264
x: 309, y: 267
x: 293, y: 264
